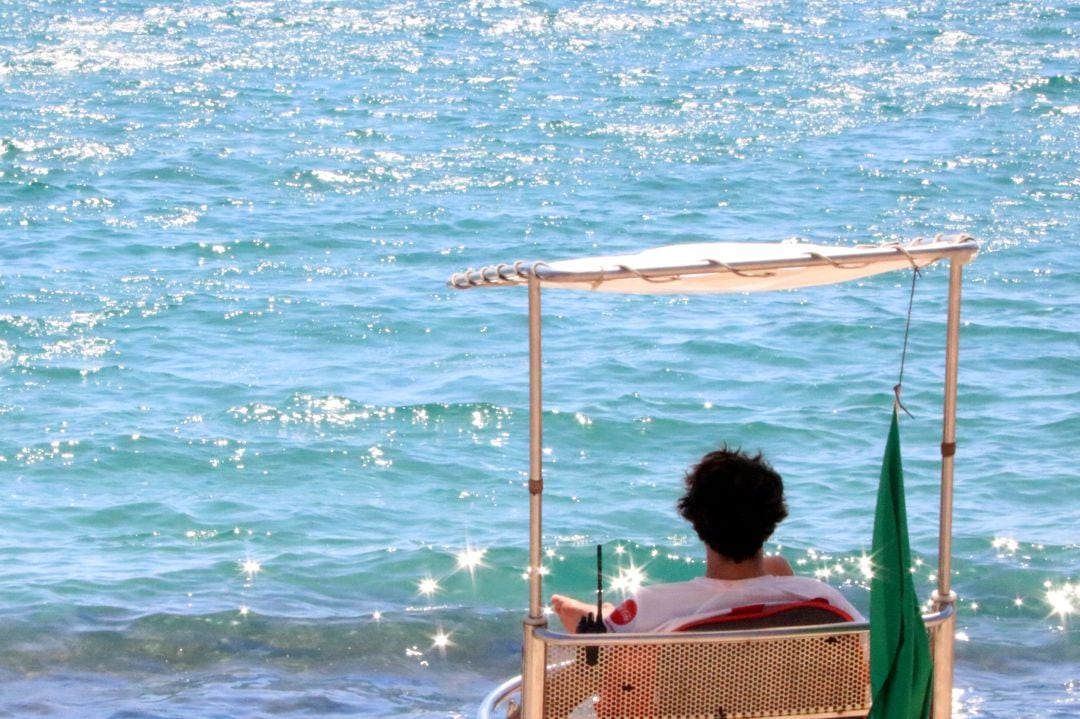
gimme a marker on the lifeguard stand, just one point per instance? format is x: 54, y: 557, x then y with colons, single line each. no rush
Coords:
x: 810, y: 671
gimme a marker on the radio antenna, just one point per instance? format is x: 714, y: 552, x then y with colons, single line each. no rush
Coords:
x: 599, y: 583
x: 594, y: 623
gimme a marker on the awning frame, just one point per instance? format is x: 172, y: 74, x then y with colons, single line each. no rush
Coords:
x: 957, y: 249
x: 917, y: 253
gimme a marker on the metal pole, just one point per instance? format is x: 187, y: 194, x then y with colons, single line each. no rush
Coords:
x: 533, y: 656
x: 944, y: 635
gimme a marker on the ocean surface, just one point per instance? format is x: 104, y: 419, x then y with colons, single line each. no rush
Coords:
x: 257, y: 460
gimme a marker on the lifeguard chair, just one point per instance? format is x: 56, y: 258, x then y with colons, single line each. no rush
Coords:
x: 792, y: 663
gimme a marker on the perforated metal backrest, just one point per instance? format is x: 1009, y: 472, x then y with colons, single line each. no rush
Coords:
x: 819, y: 674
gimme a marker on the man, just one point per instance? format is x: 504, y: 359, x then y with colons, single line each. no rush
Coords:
x: 734, y: 502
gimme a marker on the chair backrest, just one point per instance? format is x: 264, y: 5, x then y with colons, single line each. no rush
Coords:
x: 741, y: 672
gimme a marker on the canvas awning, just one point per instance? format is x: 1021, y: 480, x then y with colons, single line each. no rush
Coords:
x: 722, y: 266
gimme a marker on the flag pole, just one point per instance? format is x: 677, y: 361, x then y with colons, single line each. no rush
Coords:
x: 944, y: 598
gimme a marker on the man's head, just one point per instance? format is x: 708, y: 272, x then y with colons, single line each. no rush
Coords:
x: 734, y: 501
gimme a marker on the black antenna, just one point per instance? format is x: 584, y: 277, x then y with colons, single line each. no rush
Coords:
x: 599, y: 582
x: 594, y: 623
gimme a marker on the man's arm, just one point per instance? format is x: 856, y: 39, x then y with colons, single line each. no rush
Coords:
x: 778, y: 566
x: 571, y: 610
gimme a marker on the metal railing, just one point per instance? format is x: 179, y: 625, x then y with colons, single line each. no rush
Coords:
x: 504, y: 692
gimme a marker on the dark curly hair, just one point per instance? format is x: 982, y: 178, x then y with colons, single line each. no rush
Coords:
x: 734, y: 501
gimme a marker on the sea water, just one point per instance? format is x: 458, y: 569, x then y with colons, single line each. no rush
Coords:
x: 257, y: 460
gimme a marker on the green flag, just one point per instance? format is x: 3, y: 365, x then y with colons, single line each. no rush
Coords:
x: 900, y: 664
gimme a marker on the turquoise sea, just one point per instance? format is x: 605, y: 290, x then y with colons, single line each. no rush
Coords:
x: 257, y: 460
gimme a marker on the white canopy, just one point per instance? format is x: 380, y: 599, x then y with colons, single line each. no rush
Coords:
x: 722, y: 266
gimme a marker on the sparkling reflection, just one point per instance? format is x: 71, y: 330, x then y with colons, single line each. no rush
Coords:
x: 470, y: 559
x: 441, y: 640
x: 250, y: 567
x: 1063, y: 600
x: 427, y: 586
x: 629, y: 579
x: 866, y: 566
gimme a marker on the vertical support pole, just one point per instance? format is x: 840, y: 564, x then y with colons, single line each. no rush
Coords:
x: 944, y: 635
x: 533, y: 655
x: 536, y: 442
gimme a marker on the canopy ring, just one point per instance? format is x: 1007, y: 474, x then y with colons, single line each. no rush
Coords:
x: 838, y: 265
x: 899, y: 247
x: 644, y: 278
x: 740, y: 273
x: 599, y: 280
x: 469, y: 277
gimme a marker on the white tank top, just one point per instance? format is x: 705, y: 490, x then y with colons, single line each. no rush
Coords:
x: 666, y: 607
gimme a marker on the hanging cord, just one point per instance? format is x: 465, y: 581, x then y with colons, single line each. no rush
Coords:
x: 907, y: 332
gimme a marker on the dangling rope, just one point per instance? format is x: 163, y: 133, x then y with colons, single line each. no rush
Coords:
x: 907, y: 332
